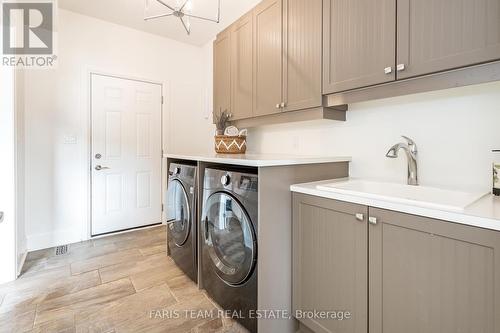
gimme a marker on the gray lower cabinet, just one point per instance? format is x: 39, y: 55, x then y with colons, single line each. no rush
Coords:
x: 439, y: 35
x: 396, y: 273
x: 330, y: 249
x: 432, y: 276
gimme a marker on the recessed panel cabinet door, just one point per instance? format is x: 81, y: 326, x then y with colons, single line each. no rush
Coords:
x: 432, y: 276
x: 268, y: 57
x: 303, y: 54
x: 242, y: 67
x: 222, y: 73
x: 438, y: 35
x: 359, y: 43
x: 330, y: 261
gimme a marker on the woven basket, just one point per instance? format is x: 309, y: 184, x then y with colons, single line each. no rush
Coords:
x: 230, y: 144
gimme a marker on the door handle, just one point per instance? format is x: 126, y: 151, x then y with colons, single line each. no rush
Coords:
x: 206, y: 228
x: 100, y: 167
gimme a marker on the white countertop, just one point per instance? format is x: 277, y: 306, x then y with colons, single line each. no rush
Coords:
x: 484, y: 213
x: 259, y: 160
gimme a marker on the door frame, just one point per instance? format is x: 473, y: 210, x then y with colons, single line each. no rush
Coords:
x: 89, y: 72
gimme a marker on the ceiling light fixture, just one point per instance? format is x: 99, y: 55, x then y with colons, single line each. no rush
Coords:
x: 183, y: 11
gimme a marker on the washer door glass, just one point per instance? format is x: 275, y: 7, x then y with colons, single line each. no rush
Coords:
x: 230, y: 238
x: 178, y: 213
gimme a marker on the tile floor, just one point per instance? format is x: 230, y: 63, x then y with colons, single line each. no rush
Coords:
x: 121, y: 283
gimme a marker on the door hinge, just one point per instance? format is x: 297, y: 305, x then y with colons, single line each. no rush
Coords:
x: 162, y: 207
x: 162, y: 100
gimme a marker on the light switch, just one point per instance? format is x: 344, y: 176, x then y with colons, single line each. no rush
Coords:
x: 70, y: 140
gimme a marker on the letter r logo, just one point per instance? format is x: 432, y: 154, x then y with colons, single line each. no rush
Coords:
x: 27, y: 27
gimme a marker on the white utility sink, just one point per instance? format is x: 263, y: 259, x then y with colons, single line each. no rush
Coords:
x: 421, y: 196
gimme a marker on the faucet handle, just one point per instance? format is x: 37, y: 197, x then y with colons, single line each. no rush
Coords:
x: 411, y: 143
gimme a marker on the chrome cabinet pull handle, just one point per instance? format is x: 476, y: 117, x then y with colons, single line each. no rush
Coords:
x: 372, y: 220
x: 401, y: 67
x: 388, y: 70
x: 360, y: 217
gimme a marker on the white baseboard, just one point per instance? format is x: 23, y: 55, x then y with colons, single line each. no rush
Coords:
x: 21, y: 263
x: 52, y: 239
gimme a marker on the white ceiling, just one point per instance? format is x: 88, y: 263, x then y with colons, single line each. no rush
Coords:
x: 131, y: 13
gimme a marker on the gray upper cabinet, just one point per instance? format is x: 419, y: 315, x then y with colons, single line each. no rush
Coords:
x: 285, y: 55
x: 432, y: 276
x: 268, y: 56
x: 439, y: 35
x: 222, y: 72
x: 330, y: 260
x: 302, y: 20
x: 242, y: 67
x: 359, y: 43
x: 275, y: 65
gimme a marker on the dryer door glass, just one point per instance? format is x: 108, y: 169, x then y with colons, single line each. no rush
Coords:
x: 178, y: 213
x: 229, y: 238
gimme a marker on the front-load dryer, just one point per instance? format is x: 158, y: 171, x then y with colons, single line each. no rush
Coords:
x: 181, y: 218
x: 229, y: 242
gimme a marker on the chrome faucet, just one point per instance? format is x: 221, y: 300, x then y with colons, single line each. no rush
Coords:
x: 411, y: 151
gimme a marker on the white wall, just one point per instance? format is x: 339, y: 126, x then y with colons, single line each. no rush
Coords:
x: 455, y: 130
x: 21, y: 241
x: 57, y: 106
x: 7, y: 176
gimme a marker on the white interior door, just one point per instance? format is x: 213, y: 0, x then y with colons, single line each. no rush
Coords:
x: 126, y: 154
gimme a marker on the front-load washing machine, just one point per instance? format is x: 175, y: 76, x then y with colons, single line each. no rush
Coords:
x: 181, y: 218
x: 229, y: 242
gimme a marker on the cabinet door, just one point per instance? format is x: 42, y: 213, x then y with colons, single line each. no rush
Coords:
x: 268, y: 57
x: 222, y: 73
x: 432, y: 276
x: 330, y: 262
x: 438, y: 35
x: 303, y: 54
x: 242, y: 67
x: 359, y: 43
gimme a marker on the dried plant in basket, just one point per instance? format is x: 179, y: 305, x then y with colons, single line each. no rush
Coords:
x: 221, y: 121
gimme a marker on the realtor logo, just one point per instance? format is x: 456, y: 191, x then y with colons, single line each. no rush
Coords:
x: 28, y: 33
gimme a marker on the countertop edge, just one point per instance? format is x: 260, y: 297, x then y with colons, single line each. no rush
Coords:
x: 256, y: 162
x: 464, y: 218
